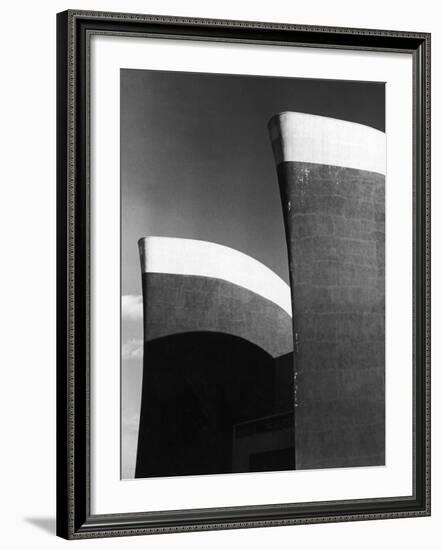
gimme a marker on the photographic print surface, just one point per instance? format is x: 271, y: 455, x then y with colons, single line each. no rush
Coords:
x: 252, y: 273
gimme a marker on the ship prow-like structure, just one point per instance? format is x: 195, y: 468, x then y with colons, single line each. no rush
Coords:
x: 218, y: 359
x: 331, y: 177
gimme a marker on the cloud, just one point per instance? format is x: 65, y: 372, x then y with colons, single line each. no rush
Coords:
x: 132, y: 307
x: 132, y: 349
x: 129, y: 442
x: 130, y: 419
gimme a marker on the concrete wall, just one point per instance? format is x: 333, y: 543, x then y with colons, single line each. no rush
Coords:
x: 216, y: 354
x: 334, y: 218
x: 184, y: 303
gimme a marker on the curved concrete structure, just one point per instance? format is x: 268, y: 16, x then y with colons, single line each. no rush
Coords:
x: 191, y: 285
x: 300, y: 137
x: 197, y: 258
x: 218, y: 345
x: 331, y: 176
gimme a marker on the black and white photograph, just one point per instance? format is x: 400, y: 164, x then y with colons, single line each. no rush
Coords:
x: 252, y: 273
x: 221, y: 269
x: 243, y: 276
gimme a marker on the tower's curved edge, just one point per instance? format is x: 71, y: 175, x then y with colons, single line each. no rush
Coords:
x: 181, y: 256
x: 191, y: 285
x: 301, y: 137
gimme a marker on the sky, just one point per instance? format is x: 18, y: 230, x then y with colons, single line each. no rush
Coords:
x: 197, y: 162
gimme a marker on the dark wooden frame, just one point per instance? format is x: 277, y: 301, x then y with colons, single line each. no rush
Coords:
x: 74, y: 519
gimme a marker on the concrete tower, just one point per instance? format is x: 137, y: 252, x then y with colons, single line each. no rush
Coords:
x: 218, y: 379
x: 331, y: 176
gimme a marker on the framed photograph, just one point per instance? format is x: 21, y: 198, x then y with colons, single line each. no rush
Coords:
x: 243, y: 274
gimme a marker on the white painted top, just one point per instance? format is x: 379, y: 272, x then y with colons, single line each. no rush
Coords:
x: 300, y: 137
x: 206, y: 259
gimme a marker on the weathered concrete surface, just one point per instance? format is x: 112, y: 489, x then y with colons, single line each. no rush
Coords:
x: 335, y: 232
x: 183, y: 303
x: 215, y: 355
x: 335, y: 228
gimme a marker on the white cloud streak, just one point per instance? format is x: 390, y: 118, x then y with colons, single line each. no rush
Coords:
x: 132, y: 307
x: 132, y: 349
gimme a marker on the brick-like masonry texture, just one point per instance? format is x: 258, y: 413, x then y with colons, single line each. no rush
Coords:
x: 335, y: 227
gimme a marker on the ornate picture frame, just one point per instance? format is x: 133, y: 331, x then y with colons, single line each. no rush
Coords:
x: 76, y: 219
